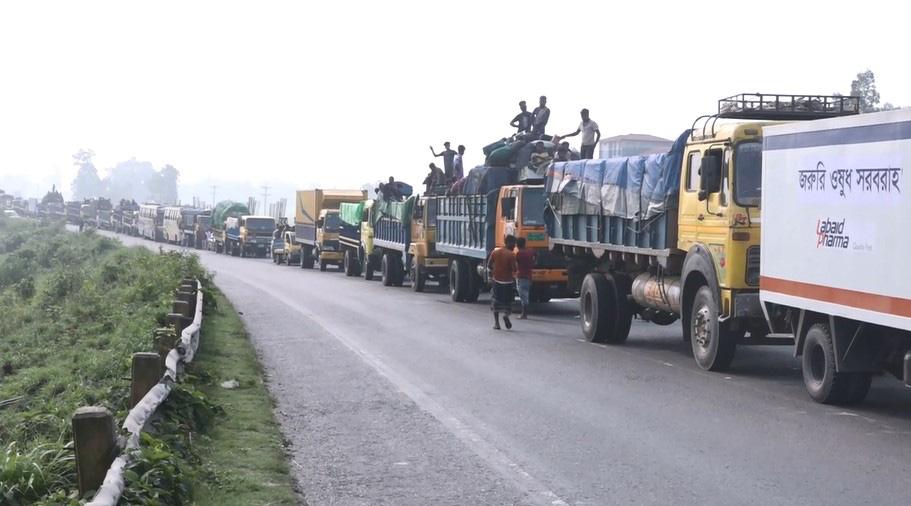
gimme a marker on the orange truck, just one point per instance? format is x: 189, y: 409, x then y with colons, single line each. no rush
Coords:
x: 469, y: 227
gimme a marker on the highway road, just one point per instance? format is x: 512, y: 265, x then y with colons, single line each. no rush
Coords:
x: 392, y: 397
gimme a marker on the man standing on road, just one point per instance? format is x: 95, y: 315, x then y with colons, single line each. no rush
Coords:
x: 448, y: 156
x: 458, y: 170
x: 522, y: 122
x: 502, y: 268
x: 590, y: 135
x: 541, y: 116
x: 525, y: 262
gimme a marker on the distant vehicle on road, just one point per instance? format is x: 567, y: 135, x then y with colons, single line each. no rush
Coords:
x: 150, y: 221
x: 316, y: 225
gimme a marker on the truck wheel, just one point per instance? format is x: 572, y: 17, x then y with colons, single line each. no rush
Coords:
x: 418, y: 276
x: 387, y: 270
x: 823, y: 382
x: 348, y: 263
x: 367, y: 267
x: 322, y: 265
x: 398, y: 271
x: 713, y: 342
x: 605, y: 310
x: 458, y: 281
x: 474, y: 282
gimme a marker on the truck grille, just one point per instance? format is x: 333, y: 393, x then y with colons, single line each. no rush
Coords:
x: 752, y: 273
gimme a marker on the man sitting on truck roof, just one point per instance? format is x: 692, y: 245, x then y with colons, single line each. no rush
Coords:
x: 434, y: 180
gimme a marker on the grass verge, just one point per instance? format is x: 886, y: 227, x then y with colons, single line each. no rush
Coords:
x: 242, y: 456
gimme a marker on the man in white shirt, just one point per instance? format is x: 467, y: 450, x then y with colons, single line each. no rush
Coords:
x: 458, y: 170
x: 590, y: 136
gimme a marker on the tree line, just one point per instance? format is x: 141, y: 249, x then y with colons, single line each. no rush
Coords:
x: 129, y: 179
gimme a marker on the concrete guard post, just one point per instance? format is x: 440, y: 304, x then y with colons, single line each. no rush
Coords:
x: 146, y: 374
x: 96, y: 445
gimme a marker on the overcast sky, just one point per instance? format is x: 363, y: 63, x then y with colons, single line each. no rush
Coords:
x: 336, y: 94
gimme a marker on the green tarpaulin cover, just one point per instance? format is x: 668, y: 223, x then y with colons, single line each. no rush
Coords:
x: 227, y: 208
x: 351, y: 213
x: 399, y: 211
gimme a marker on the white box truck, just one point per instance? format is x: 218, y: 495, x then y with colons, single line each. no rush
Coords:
x: 834, y: 268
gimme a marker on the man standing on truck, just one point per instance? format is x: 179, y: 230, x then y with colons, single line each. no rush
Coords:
x: 458, y: 169
x: 522, y: 122
x: 525, y: 262
x: 590, y: 135
x: 541, y: 115
x: 448, y: 157
x: 502, y: 268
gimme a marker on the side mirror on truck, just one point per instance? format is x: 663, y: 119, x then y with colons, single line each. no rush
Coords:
x: 319, y: 223
x: 709, y: 176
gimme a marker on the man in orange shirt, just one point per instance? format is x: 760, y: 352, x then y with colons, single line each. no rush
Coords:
x: 502, y: 268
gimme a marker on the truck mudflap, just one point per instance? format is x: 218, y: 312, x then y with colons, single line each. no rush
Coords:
x: 908, y: 369
x: 747, y: 305
x: 332, y: 256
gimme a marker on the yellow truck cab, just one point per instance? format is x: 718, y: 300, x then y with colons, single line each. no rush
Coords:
x: 425, y: 261
x: 255, y: 235
x: 522, y: 215
x: 328, y: 251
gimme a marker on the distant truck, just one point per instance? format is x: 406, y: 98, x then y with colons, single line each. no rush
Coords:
x: 316, y: 225
x: 250, y: 236
x: 469, y: 227
x: 88, y: 212
x: 125, y: 217
x: 104, y: 214
x: 835, y: 209
x: 219, y: 241
x: 397, y: 238
x: 73, y: 212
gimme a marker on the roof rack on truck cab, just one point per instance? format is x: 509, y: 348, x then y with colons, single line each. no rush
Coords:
x: 777, y: 107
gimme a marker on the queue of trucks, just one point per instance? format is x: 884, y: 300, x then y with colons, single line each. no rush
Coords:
x: 777, y: 220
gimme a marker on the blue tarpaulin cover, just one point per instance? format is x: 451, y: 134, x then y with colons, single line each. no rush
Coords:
x: 635, y: 187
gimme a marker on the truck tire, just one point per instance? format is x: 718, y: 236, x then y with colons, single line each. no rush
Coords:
x: 458, y: 281
x: 713, y: 342
x: 306, y: 258
x: 605, y: 310
x: 823, y: 382
x: 368, y: 268
x: 398, y: 270
x: 349, y: 264
x: 418, y: 276
x: 474, y: 282
x: 387, y: 270
x: 323, y: 265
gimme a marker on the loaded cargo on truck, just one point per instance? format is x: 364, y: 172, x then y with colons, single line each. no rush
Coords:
x: 316, y: 225
x: 676, y: 235
x: 833, y: 271
x: 222, y: 238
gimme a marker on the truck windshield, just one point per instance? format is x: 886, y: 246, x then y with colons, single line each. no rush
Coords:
x: 261, y: 224
x: 748, y: 173
x: 331, y: 222
x: 533, y: 206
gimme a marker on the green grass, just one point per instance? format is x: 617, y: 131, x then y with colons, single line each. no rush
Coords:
x: 73, y: 309
x: 242, y: 456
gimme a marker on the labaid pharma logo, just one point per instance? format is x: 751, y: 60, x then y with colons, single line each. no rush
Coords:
x: 831, y: 234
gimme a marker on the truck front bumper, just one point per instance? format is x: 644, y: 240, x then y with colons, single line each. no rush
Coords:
x: 331, y: 256
x: 549, y: 276
x: 746, y: 305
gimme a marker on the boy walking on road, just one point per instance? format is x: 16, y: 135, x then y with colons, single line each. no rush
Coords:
x: 525, y: 262
x: 502, y: 268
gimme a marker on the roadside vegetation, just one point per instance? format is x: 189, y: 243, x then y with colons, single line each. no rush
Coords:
x: 73, y: 309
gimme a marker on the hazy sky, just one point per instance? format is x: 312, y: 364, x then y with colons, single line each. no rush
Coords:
x: 340, y: 93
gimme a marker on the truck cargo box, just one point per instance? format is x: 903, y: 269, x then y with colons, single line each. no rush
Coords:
x: 392, y: 223
x: 464, y: 225
x: 835, y: 210
x: 624, y: 204
x: 309, y: 204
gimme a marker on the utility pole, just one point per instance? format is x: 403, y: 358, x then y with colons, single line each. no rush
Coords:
x: 213, y: 196
x: 265, y: 199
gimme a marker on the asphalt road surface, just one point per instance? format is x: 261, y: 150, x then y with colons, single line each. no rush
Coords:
x: 393, y: 397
